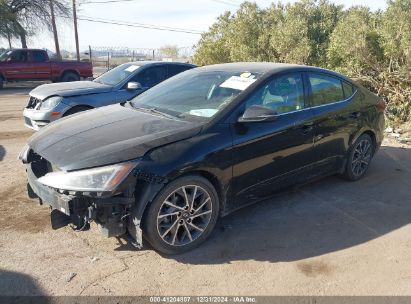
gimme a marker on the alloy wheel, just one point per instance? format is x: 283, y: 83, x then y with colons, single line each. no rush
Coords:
x: 361, y: 157
x: 184, y: 215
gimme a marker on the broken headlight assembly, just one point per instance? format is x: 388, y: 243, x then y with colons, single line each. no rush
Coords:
x: 100, y: 179
x: 50, y: 103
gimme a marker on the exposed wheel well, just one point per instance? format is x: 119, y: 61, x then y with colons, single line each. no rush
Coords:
x: 214, y: 181
x: 76, y: 109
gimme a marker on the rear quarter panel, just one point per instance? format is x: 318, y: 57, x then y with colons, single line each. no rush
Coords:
x: 84, y: 69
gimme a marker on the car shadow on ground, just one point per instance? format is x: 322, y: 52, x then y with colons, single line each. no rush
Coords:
x: 14, y: 284
x: 2, y: 152
x: 326, y: 216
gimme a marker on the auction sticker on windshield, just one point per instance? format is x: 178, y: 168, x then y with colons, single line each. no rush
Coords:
x: 237, y: 83
x: 132, y: 68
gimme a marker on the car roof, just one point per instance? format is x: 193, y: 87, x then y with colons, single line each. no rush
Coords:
x: 146, y: 62
x: 266, y: 67
x: 25, y: 50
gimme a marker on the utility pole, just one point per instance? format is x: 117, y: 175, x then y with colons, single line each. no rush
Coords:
x: 89, y: 52
x: 75, y: 29
x: 53, y: 24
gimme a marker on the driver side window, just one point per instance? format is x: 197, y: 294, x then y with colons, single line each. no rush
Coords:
x: 151, y: 76
x: 281, y: 94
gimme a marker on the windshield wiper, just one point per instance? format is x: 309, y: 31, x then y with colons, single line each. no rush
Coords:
x: 156, y: 111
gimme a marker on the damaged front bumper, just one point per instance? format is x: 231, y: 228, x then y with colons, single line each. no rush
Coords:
x: 114, y: 213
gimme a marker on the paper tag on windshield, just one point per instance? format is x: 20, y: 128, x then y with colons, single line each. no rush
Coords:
x: 132, y: 68
x: 237, y: 83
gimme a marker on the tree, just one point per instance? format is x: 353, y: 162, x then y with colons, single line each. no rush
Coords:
x: 213, y: 45
x: 170, y: 51
x: 355, y: 44
x: 6, y: 23
x: 396, y: 33
x: 26, y: 16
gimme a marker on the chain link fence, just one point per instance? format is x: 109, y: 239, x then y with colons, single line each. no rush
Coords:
x: 106, y: 57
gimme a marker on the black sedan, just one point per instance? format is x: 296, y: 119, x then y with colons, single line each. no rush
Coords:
x: 200, y: 145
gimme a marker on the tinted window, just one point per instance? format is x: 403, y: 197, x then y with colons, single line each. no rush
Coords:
x: 175, y: 69
x: 348, y: 89
x: 19, y: 56
x: 325, y: 89
x: 282, y: 94
x: 118, y: 74
x: 151, y: 76
x: 38, y: 56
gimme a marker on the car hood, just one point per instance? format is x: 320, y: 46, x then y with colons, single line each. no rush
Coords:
x: 106, y: 135
x: 67, y: 89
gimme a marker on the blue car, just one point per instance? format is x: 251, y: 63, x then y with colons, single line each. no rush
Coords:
x: 50, y: 102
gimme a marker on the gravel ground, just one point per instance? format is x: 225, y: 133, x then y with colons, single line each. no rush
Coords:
x: 331, y: 237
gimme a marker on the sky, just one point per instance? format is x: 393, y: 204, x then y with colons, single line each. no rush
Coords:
x: 195, y: 15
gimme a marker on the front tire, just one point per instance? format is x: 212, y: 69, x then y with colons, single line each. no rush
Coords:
x: 359, y: 158
x: 70, y: 76
x: 182, y: 215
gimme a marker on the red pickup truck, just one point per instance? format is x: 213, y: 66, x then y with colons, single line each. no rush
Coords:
x: 34, y: 64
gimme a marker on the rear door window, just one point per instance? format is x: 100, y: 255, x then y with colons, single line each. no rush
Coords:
x: 325, y: 89
x: 38, y: 56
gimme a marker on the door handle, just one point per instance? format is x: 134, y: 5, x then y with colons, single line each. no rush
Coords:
x: 355, y: 115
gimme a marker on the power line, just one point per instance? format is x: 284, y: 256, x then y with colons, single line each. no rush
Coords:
x: 227, y: 2
x: 103, y: 2
x: 137, y: 25
x: 144, y: 24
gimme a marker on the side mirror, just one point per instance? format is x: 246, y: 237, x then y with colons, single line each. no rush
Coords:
x: 134, y: 86
x: 257, y: 113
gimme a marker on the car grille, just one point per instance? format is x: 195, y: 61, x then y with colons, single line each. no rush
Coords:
x: 33, y: 102
x: 27, y: 121
x: 39, y: 165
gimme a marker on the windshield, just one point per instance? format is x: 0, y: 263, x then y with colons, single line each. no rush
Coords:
x: 4, y: 56
x: 197, y: 93
x: 118, y: 74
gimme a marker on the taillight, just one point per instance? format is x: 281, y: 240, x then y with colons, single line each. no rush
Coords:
x: 381, y: 105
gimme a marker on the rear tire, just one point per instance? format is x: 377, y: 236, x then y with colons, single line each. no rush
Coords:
x: 76, y: 110
x: 70, y: 76
x: 1, y: 82
x: 175, y: 222
x: 359, y: 158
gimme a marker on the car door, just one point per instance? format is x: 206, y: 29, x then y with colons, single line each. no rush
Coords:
x: 337, y: 115
x: 17, y: 66
x: 40, y: 64
x: 147, y: 77
x: 270, y: 155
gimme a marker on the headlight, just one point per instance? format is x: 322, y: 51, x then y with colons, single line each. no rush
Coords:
x: 23, y: 155
x: 50, y: 102
x: 96, y: 179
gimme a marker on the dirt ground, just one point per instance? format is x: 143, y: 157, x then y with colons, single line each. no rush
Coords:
x: 331, y: 237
